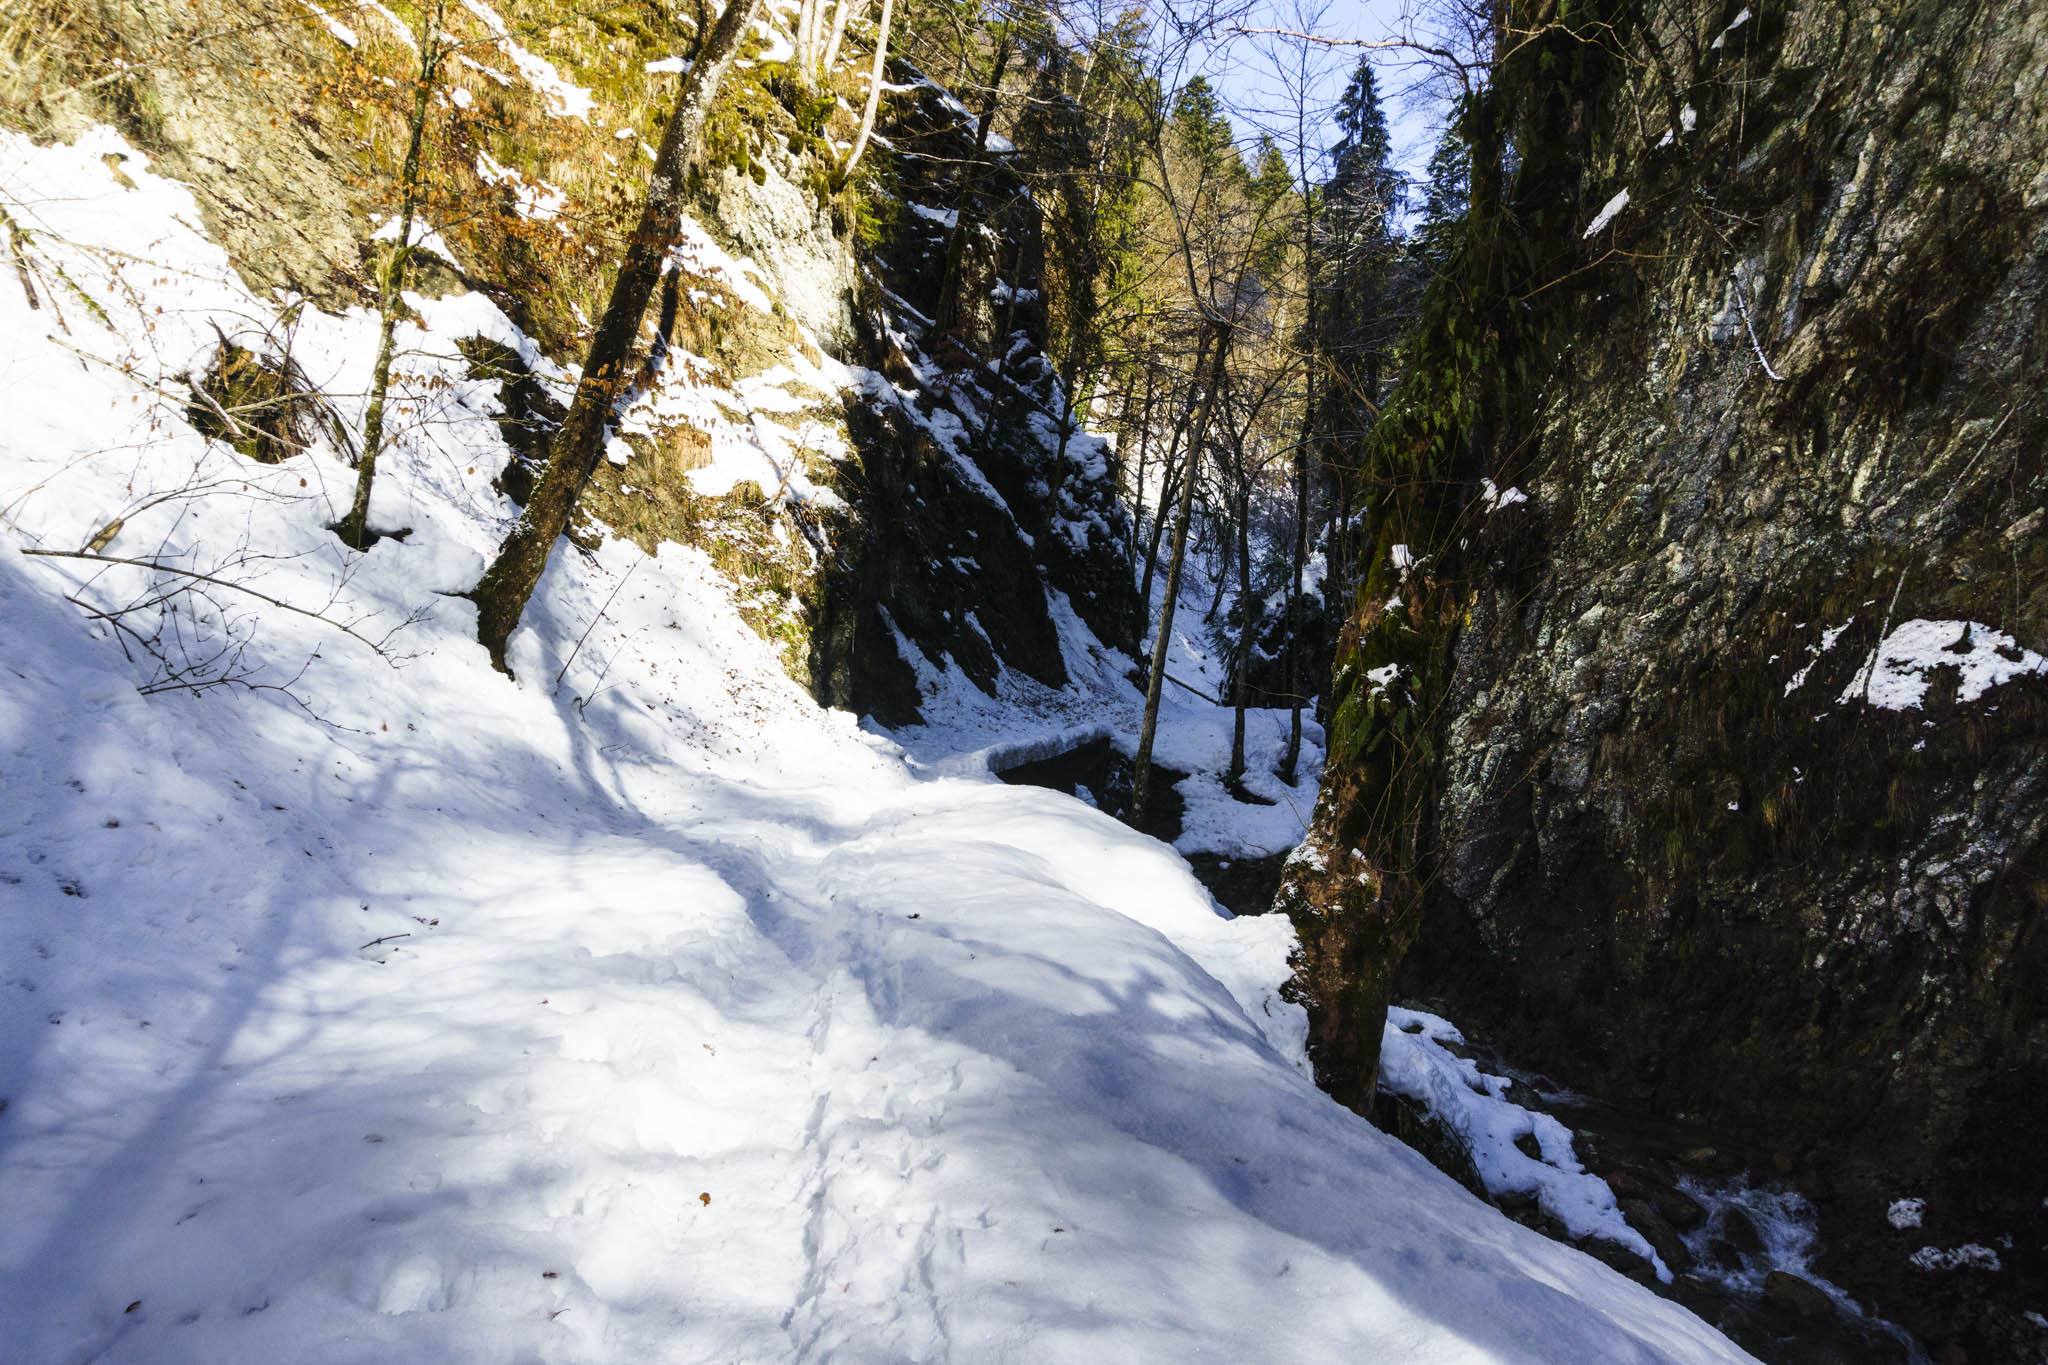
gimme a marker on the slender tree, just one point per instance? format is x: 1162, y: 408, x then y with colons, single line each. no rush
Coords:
x: 874, y: 96
x: 1213, y: 348
x: 507, y: 585
x: 354, y: 528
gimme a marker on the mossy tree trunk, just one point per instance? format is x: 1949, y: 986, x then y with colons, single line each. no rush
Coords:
x: 354, y: 528
x: 508, y: 584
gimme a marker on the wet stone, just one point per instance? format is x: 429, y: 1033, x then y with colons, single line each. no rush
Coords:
x: 1794, y: 1295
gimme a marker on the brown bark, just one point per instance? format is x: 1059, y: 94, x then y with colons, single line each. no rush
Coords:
x: 506, y: 586
x: 354, y: 528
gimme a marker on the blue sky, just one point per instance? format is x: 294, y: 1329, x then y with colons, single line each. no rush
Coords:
x: 1258, y: 74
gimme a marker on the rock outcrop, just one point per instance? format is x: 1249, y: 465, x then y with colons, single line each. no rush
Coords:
x: 1738, y: 788
x: 973, y: 527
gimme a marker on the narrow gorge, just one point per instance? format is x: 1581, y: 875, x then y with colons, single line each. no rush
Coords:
x: 1257, y: 682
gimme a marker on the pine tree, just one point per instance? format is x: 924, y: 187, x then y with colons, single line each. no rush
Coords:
x: 1446, y: 194
x: 1356, y: 326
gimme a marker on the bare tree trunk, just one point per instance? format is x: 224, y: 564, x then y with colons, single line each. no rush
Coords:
x: 874, y: 101
x: 1290, y: 762
x: 354, y: 528
x: 1138, y: 485
x: 806, y: 41
x: 841, y: 12
x: 1247, y: 623
x: 506, y: 586
x: 1169, y: 489
x: 1219, y: 567
x: 1170, y: 471
x: 1216, y: 339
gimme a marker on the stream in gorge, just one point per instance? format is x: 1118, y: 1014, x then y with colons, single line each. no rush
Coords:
x: 1743, y: 1240
x: 1100, y: 774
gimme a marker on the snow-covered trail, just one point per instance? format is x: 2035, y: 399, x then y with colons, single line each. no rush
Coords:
x: 966, y: 1070
x: 657, y: 1015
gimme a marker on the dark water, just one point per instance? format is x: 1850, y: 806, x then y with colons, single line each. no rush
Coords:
x: 1737, y: 1225
x: 1099, y: 774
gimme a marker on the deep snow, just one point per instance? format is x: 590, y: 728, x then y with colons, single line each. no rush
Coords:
x: 653, y: 1014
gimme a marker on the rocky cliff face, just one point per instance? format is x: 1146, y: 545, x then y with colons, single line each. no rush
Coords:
x: 973, y: 528
x: 1739, y: 789
x: 885, y: 494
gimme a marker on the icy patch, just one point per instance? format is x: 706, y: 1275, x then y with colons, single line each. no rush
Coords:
x: 1829, y: 637
x: 424, y: 238
x: 1899, y: 671
x: 1415, y: 1065
x: 1606, y: 214
x: 1737, y: 22
x: 1906, y: 1213
x: 776, y: 45
x: 400, y: 31
x: 565, y: 99
x: 1688, y: 119
x: 531, y: 199
x: 1968, y: 1256
x: 747, y: 440
x: 341, y: 32
x: 699, y: 255
x: 1498, y: 499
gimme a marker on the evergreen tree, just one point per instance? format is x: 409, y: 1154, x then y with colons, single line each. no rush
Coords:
x: 1446, y: 193
x: 1356, y: 323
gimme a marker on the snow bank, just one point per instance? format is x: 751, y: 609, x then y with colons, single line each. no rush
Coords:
x: 1473, y: 1104
x: 636, y: 1011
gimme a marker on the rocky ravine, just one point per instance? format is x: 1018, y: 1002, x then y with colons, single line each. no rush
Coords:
x: 1741, y: 783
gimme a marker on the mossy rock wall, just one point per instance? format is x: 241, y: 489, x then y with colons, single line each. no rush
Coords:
x: 1800, y: 397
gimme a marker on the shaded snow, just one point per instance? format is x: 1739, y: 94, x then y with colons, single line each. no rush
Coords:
x: 1473, y: 1105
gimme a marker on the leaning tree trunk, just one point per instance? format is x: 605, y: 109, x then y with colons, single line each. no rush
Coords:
x: 874, y: 99
x: 507, y: 585
x: 1141, y: 771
